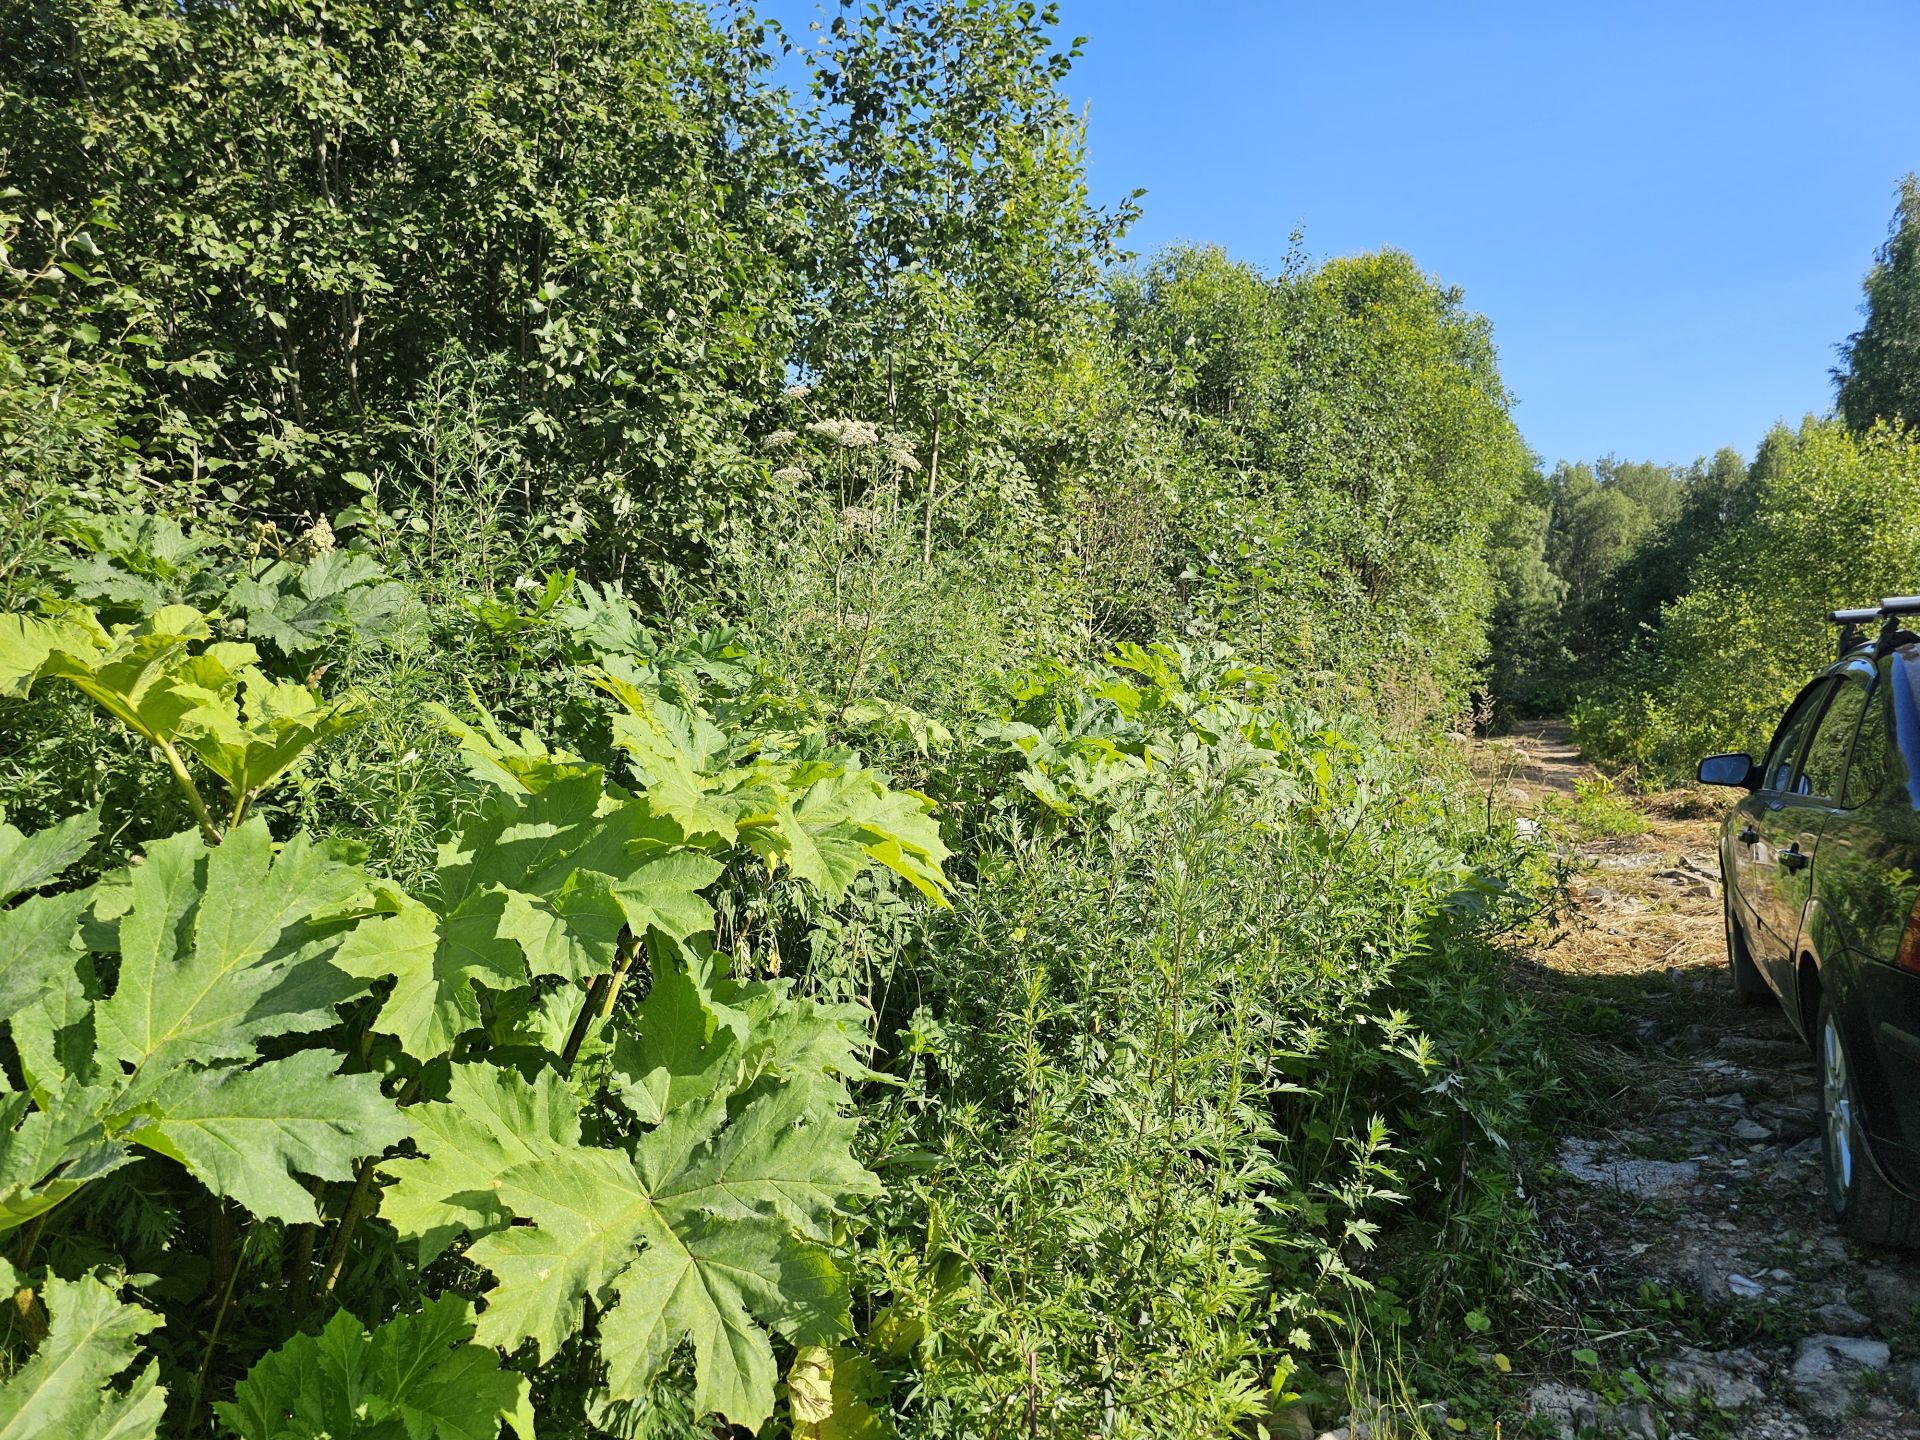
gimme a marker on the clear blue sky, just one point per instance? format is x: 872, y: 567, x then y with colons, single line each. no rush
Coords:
x: 1666, y: 210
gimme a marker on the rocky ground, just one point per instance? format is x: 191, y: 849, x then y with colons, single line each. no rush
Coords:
x: 1705, y: 1291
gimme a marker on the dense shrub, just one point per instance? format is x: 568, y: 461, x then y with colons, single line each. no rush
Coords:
x: 1835, y: 521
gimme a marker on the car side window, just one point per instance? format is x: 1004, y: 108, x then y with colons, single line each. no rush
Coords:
x: 1823, y: 771
x: 1783, y: 760
x: 1867, y: 770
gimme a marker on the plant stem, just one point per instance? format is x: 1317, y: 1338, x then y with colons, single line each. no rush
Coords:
x: 357, y: 1201
x: 194, y: 798
x: 600, y: 998
x: 29, y: 1240
x: 213, y: 1343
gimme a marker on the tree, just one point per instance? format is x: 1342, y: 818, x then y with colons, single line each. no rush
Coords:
x: 1879, y: 377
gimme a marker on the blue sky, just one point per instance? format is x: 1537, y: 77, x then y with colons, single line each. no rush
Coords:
x: 1666, y: 210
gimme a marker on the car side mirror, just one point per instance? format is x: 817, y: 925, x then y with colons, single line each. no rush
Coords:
x: 1736, y: 770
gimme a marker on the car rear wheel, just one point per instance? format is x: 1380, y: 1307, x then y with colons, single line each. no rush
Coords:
x: 1748, y: 983
x: 1867, y: 1207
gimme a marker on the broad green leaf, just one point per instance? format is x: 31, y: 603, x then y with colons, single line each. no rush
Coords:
x: 37, y: 939
x: 491, y: 1121
x: 220, y: 949
x: 246, y: 1134
x: 573, y: 932
x: 589, y: 1212
x: 716, y: 1283
x: 253, y: 743
x: 436, y: 961
x: 65, y: 1389
x: 298, y: 608
x: 663, y: 894
x: 211, y: 700
x: 677, y: 1051
x: 48, y: 1154
x: 417, y: 1376
x: 787, y: 1153
x: 29, y: 861
x: 26, y: 644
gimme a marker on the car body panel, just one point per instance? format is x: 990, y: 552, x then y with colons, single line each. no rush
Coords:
x: 1833, y: 926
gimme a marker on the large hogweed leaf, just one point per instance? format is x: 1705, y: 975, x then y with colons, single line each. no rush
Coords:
x: 710, y: 1227
x: 218, y: 950
x: 66, y: 1387
x: 417, y: 1376
x: 825, y: 818
x: 168, y: 680
x: 297, y: 608
x: 34, y: 933
x: 552, y: 872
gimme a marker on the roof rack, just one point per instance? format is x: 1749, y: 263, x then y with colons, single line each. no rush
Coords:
x: 1850, y: 623
x: 1888, y: 613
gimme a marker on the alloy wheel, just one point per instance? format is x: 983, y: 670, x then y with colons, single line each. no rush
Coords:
x: 1838, y: 1094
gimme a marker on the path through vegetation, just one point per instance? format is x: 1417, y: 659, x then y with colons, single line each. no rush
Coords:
x: 1710, y: 1292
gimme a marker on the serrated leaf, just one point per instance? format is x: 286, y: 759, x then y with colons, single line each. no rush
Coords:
x: 716, y: 1283
x: 37, y: 941
x: 48, y: 1154
x: 589, y: 1212
x: 417, y: 1372
x: 573, y: 932
x: 220, y: 950
x: 251, y: 744
x: 677, y: 1052
x: 491, y: 1121
x: 436, y: 961
x: 296, y: 609
x: 65, y: 1390
x: 29, y: 861
x: 245, y: 1134
x: 786, y: 1153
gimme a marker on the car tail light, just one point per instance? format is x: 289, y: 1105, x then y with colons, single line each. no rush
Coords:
x: 1909, y: 956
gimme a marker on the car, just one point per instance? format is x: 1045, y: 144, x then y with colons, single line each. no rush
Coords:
x: 1820, y: 861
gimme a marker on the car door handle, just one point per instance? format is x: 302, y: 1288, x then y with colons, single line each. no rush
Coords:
x: 1793, y: 859
x: 1748, y: 835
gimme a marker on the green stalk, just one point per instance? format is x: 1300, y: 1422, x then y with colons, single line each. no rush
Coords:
x: 600, y: 998
x: 192, y: 791
x: 357, y: 1201
x: 213, y: 1338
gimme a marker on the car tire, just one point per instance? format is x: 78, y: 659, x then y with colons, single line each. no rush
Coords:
x: 1865, y: 1205
x: 1749, y: 985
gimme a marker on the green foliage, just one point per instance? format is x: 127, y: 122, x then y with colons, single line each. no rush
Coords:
x: 65, y: 1388
x: 1357, y: 452
x: 217, y: 951
x: 529, y: 1031
x: 1831, y: 525
x: 1879, y: 377
x: 420, y: 1372
x: 212, y: 702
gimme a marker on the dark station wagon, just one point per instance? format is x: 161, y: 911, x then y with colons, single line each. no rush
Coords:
x: 1821, y: 861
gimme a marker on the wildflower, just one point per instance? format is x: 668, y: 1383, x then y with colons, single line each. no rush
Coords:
x: 903, y: 460
x: 797, y: 392
x: 791, y: 475
x: 779, y: 440
x: 854, y: 434
x: 856, y: 518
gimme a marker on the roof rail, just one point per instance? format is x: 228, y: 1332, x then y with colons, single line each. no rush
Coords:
x: 1891, y: 634
x: 1850, y: 623
x: 1888, y: 612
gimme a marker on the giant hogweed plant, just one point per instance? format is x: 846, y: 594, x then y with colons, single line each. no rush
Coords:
x: 656, y: 1172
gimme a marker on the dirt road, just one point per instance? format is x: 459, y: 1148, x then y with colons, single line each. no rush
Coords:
x: 1695, y: 1254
